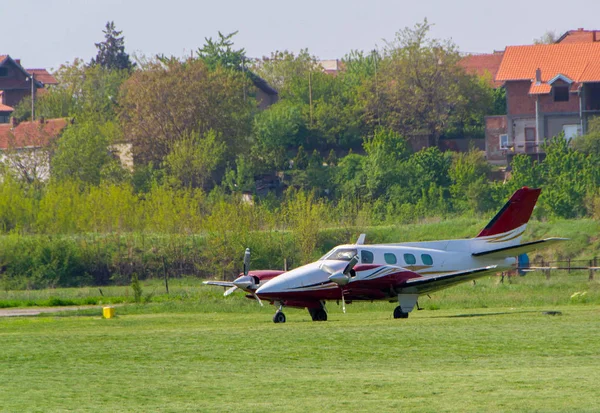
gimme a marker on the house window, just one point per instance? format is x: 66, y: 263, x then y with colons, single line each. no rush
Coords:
x: 3, y: 71
x: 390, y: 258
x: 571, y: 131
x: 504, y: 144
x: 366, y: 257
x: 410, y: 259
x: 561, y: 93
x: 427, y: 260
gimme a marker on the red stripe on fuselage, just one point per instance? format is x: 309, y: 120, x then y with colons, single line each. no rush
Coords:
x: 373, y: 289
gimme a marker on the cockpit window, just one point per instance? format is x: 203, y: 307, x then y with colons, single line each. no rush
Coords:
x: 340, y: 254
x: 366, y: 257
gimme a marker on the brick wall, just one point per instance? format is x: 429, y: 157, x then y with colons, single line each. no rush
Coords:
x: 494, y: 127
x: 520, y: 103
x: 518, y: 100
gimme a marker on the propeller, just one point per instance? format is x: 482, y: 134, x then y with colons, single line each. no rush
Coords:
x: 248, y: 283
x: 342, y: 278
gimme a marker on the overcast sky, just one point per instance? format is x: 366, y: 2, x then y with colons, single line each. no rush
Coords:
x: 51, y: 32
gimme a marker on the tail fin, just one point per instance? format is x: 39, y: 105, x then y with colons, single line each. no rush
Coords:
x: 515, y: 213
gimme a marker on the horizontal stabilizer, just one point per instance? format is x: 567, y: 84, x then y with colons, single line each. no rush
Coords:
x: 219, y: 283
x: 423, y: 285
x: 519, y: 249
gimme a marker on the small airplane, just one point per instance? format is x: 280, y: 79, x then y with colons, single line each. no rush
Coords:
x: 393, y: 272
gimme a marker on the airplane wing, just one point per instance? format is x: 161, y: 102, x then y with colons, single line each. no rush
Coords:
x: 515, y: 250
x: 423, y: 285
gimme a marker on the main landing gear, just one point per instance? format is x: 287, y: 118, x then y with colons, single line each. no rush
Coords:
x: 406, y: 304
x: 318, y: 314
x: 398, y: 313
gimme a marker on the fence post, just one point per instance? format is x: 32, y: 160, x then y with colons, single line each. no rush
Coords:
x: 592, y: 264
x: 546, y: 271
x: 569, y: 265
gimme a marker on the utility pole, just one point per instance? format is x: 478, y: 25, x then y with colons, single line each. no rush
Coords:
x: 244, y: 72
x: 32, y: 97
x: 310, y: 96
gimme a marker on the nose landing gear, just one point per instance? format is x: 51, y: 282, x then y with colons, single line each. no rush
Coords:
x: 279, y: 317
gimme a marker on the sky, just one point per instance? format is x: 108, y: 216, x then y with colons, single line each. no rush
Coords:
x: 46, y: 34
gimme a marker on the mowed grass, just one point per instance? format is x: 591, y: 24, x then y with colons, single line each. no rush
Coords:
x: 475, y: 348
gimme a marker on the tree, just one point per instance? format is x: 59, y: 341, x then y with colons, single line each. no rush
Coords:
x: 590, y: 142
x: 221, y: 52
x: 386, y: 150
x: 193, y: 159
x: 275, y: 130
x: 163, y: 104
x: 419, y: 87
x: 82, y: 153
x: 547, y: 38
x: 111, y: 52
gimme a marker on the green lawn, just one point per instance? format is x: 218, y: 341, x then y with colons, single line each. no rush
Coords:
x: 175, y: 356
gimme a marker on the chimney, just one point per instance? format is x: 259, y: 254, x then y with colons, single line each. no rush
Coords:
x: 538, y: 76
x: 18, y: 61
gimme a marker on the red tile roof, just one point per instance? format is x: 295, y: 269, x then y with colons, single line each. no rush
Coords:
x: 5, y: 108
x: 580, y: 36
x: 578, y: 61
x: 482, y: 64
x: 43, y: 76
x: 540, y: 89
x: 30, y: 134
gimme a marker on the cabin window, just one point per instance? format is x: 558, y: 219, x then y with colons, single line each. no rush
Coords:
x: 561, y: 93
x: 3, y: 71
x: 390, y: 258
x: 410, y: 259
x: 427, y: 260
x: 366, y: 257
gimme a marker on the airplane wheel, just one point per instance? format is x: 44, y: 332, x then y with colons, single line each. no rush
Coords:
x: 279, y: 317
x: 313, y: 313
x: 320, y: 315
x: 398, y: 313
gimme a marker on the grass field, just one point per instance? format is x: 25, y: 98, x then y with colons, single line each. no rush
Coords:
x: 475, y: 348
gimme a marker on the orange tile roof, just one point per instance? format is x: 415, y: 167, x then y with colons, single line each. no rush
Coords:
x: 577, y: 61
x: 30, y: 134
x: 5, y: 108
x: 539, y: 89
x: 480, y: 64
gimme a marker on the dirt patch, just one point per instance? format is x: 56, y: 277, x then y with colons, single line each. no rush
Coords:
x: 20, y: 312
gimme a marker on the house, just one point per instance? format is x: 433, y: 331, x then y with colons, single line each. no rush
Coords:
x: 264, y: 93
x: 16, y: 83
x: 485, y: 65
x: 24, y: 146
x: 580, y: 36
x: 550, y: 88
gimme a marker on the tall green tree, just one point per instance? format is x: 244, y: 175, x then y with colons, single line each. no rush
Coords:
x: 111, y: 52
x: 221, y: 52
x: 420, y: 85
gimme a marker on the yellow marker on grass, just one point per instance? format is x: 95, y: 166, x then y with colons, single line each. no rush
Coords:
x: 108, y: 312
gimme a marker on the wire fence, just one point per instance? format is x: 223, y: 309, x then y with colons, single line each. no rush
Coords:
x: 590, y: 265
